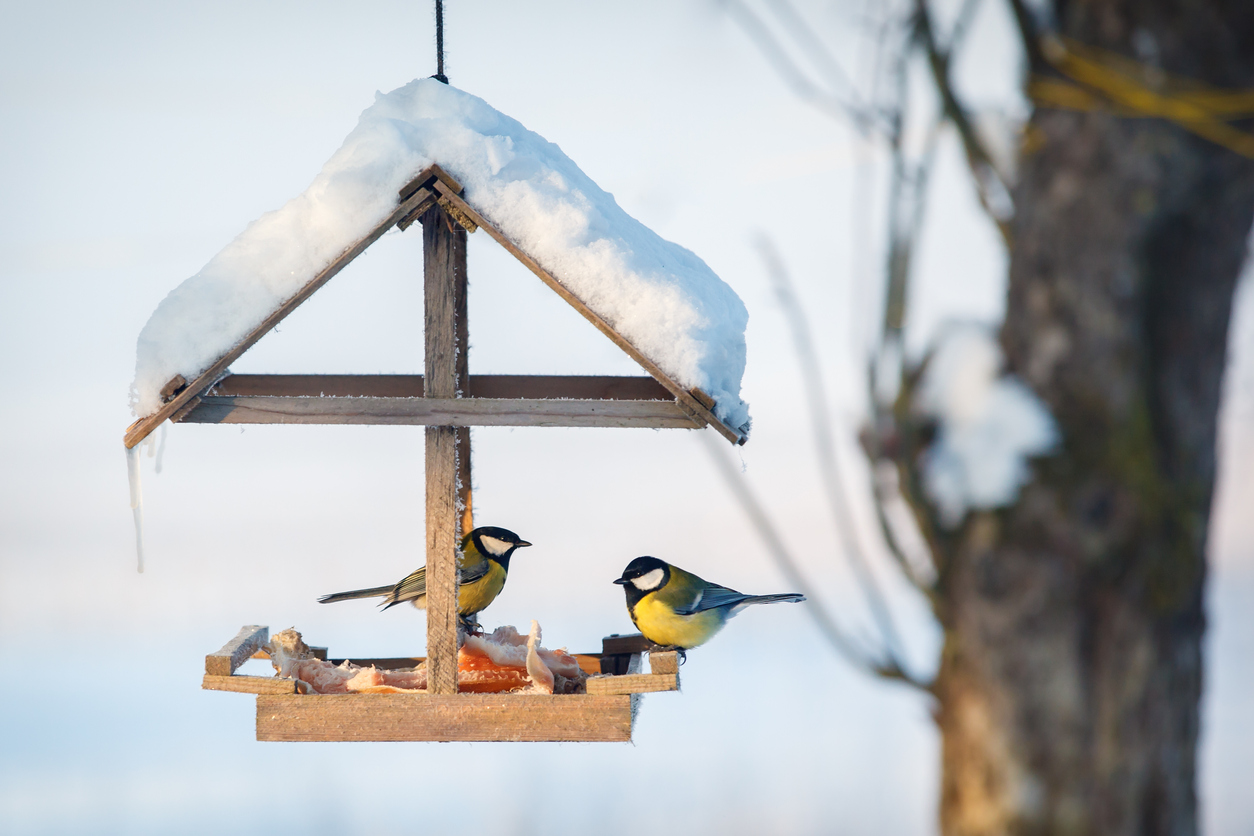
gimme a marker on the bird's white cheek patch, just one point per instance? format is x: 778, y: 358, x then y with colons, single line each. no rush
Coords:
x: 495, y: 546
x: 651, y: 580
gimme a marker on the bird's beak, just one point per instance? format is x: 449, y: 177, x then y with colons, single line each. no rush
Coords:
x: 621, y: 581
x: 522, y: 543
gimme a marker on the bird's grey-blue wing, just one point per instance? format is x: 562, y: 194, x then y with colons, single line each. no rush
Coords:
x: 470, y: 574
x: 711, y: 598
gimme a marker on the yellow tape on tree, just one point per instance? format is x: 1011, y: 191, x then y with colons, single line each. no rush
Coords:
x: 1106, y: 80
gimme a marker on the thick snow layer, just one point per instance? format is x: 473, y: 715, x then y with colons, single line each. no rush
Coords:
x: 658, y: 295
x: 989, y: 426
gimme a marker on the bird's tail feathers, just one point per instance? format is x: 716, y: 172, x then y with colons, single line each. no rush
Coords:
x: 373, y: 592
x: 789, y: 597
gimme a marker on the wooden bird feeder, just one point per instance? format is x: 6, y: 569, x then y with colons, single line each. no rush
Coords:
x: 447, y: 400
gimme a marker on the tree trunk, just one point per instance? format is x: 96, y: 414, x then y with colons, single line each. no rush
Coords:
x: 1072, y: 667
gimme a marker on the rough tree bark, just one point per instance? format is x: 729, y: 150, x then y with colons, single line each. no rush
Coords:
x: 1072, y: 668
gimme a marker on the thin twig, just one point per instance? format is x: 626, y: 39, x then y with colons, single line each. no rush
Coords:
x: 1030, y: 35
x: 821, y: 426
x: 826, y: 623
x: 865, y: 119
x: 978, y: 158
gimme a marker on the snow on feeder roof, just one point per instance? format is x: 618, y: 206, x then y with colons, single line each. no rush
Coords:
x: 660, y: 302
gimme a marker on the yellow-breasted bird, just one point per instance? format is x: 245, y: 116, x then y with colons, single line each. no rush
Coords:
x: 674, y: 608
x: 482, y: 568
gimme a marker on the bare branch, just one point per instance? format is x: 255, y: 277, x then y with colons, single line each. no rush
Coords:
x: 827, y: 625
x: 987, y: 178
x: 821, y: 426
x: 1030, y: 35
x: 864, y: 119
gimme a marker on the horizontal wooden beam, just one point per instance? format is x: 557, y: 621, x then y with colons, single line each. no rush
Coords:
x: 440, y: 412
x: 249, y: 684
x: 690, y: 402
x: 139, y: 430
x: 633, y: 683
x: 578, y: 387
x: 460, y: 717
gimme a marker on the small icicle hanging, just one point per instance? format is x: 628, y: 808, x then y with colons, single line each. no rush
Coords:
x: 137, y: 503
x: 161, y: 447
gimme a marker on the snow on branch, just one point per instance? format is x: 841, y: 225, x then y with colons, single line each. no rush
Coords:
x: 988, y: 426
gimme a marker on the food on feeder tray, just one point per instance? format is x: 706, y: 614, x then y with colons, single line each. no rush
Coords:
x: 503, y: 661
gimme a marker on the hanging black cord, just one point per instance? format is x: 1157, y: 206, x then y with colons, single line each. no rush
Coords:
x: 439, y: 43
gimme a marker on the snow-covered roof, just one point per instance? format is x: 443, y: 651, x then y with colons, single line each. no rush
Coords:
x: 657, y: 295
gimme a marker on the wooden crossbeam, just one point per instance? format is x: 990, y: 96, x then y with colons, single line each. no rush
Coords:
x: 440, y: 412
x: 686, y: 397
x: 139, y: 430
x: 574, y: 387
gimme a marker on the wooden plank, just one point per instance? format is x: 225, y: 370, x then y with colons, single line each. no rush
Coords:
x: 172, y: 387
x: 139, y: 430
x: 249, y: 684
x: 246, y: 642
x: 424, y: 178
x: 449, y: 412
x: 444, y: 259
x: 681, y: 394
x: 461, y: 717
x: 521, y: 386
x: 633, y: 683
x: 419, y: 210
x: 461, y: 370
x: 664, y: 662
x: 625, y: 644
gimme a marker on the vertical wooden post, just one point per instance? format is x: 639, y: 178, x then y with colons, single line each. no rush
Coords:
x: 444, y: 272
x: 463, y: 387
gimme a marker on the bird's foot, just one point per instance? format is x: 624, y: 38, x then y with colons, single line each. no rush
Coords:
x: 657, y: 648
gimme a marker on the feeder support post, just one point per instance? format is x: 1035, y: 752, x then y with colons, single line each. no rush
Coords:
x: 444, y: 280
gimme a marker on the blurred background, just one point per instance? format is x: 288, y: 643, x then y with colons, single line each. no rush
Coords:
x: 139, y: 138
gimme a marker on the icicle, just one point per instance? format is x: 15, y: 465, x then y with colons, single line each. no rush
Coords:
x: 137, y: 503
x: 150, y: 444
x: 161, y: 447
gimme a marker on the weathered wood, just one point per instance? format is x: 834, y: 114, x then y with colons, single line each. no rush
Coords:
x: 628, y: 643
x: 633, y: 683
x: 249, y: 684
x: 444, y: 261
x: 461, y: 329
x: 425, y: 178
x: 681, y: 394
x: 461, y: 717
x: 172, y: 387
x: 419, y: 210
x: 246, y: 642
x: 524, y: 386
x: 664, y: 662
x: 619, y: 652
x: 139, y: 430
x: 451, y: 412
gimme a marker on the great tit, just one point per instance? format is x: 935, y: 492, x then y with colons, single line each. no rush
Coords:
x: 674, y: 608
x: 482, y: 567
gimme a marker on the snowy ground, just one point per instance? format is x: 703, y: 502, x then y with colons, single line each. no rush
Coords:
x: 138, y: 139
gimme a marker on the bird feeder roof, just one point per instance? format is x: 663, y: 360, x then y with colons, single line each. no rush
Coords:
x: 658, y: 300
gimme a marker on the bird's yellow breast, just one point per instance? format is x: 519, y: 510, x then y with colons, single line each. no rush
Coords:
x: 475, y: 596
x: 661, y: 625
